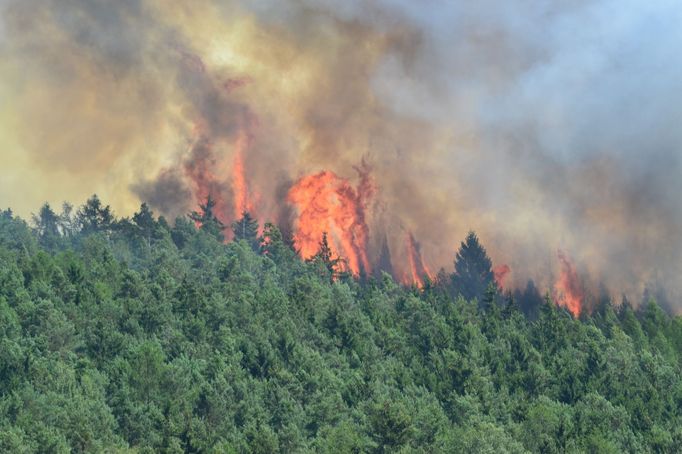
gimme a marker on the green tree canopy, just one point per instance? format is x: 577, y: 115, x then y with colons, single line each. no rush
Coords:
x: 207, y: 220
x: 246, y: 229
x: 473, y: 269
x: 94, y: 217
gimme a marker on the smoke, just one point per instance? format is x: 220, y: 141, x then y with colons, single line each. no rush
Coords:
x: 541, y: 125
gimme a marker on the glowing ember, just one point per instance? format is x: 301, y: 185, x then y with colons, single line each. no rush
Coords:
x: 568, y: 290
x: 501, y: 272
x: 328, y: 203
x: 418, y: 268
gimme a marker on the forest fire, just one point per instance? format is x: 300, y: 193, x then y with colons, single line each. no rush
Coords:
x: 418, y: 268
x: 243, y: 201
x: 501, y: 272
x: 568, y: 290
x: 325, y: 202
x: 328, y: 203
x: 205, y: 174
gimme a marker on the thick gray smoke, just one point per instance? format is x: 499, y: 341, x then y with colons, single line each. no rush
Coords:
x: 543, y: 125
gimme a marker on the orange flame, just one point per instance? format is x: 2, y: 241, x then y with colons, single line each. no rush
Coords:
x: 418, y: 268
x: 568, y: 290
x: 500, y: 273
x: 242, y: 198
x: 328, y: 203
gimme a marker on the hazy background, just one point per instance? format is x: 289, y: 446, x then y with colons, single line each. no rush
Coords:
x: 543, y: 125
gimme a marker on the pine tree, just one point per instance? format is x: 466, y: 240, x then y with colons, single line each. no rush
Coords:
x: 246, y: 229
x: 207, y: 220
x: 473, y: 269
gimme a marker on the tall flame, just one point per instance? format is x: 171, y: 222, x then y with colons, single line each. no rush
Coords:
x: 243, y: 201
x: 568, y: 290
x: 418, y: 267
x: 328, y: 203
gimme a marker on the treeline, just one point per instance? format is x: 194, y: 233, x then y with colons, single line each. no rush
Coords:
x: 138, y: 335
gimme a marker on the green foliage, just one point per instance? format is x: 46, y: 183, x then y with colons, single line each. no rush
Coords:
x: 246, y: 229
x: 136, y: 336
x: 207, y: 220
x: 47, y: 227
x: 473, y: 269
x: 94, y: 216
x: 324, y: 260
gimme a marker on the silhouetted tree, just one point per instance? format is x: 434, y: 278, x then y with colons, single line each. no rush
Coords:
x: 145, y: 222
x: 246, y: 228
x: 324, y: 256
x: 207, y: 220
x: 68, y: 225
x: 384, y: 262
x: 274, y: 246
x: 529, y: 300
x: 46, y: 225
x: 144, y: 218
x: 473, y: 269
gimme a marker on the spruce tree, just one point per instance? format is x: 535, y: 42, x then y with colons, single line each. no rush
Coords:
x: 207, y: 220
x: 145, y: 222
x: 529, y: 300
x: 473, y: 269
x: 246, y: 229
x: 324, y: 257
x: 94, y: 216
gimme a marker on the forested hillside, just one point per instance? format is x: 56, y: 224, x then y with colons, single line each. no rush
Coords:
x: 142, y: 335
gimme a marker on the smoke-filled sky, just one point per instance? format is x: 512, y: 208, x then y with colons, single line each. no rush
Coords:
x: 542, y: 125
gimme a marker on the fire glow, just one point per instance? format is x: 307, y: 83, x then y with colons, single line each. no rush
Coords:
x: 568, y: 290
x: 501, y: 272
x: 418, y: 268
x: 328, y: 203
x: 325, y: 202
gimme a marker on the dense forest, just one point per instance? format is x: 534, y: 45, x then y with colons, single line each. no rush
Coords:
x: 141, y: 335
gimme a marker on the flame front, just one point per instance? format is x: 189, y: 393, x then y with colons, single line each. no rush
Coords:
x: 568, y: 290
x: 418, y: 267
x: 328, y: 203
